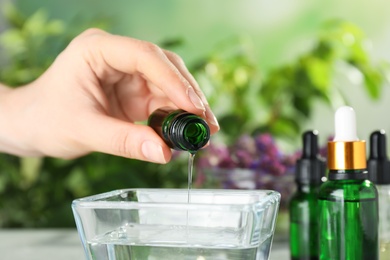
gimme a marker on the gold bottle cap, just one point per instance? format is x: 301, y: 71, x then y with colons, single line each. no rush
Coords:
x: 347, y: 155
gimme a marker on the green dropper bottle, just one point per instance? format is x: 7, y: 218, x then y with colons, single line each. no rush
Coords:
x: 309, y: 174
x: 348, y: 202
x: 179, y: 129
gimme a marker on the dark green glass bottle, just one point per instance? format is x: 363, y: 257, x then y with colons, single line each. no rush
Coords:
x: 309, y: 174
x: 179, y: 129
x: 348, y: 202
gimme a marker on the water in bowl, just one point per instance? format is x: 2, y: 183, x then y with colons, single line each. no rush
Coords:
x: 133, y: 242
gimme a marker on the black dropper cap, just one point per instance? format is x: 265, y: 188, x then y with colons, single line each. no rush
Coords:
x: 310, y: 168
x: 378, y: 165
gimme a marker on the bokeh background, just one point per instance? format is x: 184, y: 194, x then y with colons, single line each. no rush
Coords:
x: 271, y: 70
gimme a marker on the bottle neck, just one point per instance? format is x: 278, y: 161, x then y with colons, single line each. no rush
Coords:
x: 354, y: 174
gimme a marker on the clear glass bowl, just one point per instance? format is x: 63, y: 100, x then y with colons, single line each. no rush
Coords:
x: 160, y: 224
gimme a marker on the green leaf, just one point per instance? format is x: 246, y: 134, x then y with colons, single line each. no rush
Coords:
x: 13, y: 16
x: 285, y: 126
x: 232, y: 125
x: 29, y: 169
x: 77, y: 183
x: 319, y: 73
x: 172, y: 43
x: 302, y: 105
x: 373, y: 81
x: 55, y: 27
x: 13, y: 42
x: 3, y: 183
x: 35, y: 25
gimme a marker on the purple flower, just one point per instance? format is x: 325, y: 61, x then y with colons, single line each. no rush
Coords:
x: 266, y: 145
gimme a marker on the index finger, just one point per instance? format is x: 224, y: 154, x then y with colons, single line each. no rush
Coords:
x: 129, y: 56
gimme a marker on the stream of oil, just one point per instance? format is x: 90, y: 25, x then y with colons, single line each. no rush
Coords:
x: 191, y: 157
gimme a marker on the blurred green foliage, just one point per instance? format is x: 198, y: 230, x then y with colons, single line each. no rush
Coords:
x: 44, y: 200
x: 279, y: 101
x: 37, y: 192
x: 30, y: 44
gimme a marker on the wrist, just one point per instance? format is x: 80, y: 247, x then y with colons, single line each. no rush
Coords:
x: 12, y: 105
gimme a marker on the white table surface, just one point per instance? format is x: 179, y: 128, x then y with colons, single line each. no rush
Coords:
x: 65, y: 244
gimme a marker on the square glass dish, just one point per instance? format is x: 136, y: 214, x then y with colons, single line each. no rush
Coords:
x: 161, y: 224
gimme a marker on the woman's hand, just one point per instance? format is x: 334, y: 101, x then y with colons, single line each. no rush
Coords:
x: 92, y: 96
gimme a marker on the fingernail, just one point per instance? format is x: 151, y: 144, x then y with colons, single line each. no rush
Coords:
x: 153, y: 152
x: 211, y: 118
x: 195, y: 99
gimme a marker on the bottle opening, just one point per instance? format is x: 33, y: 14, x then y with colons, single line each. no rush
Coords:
x: 189, y: 132
x: 195, y: 133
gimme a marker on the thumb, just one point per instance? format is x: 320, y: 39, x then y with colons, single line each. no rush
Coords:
x: 113, y: 136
